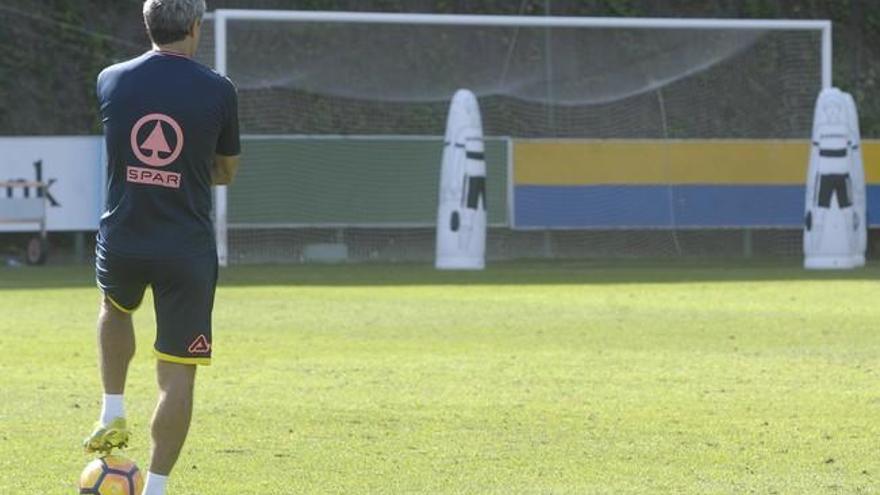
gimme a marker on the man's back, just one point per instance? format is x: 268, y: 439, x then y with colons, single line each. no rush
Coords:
x: 165, y: 117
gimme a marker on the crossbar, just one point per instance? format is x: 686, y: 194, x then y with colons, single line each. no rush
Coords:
x: 823, y: 26
x: 521, y: 21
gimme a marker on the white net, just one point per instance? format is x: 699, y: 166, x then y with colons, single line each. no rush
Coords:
x: 602, y: 141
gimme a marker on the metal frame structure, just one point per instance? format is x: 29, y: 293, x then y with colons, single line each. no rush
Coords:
x: 27, y: 210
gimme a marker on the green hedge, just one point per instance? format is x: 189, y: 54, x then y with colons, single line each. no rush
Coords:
x: 53, y: 49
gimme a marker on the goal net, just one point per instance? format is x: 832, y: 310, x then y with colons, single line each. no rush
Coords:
x: 605, y: 137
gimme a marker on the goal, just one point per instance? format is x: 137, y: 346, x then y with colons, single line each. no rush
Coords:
x: 605, y: 136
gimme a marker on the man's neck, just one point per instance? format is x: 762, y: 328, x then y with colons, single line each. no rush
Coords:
x: 177, y: 48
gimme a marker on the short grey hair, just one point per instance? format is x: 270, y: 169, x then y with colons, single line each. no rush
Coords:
x: 168, y: 21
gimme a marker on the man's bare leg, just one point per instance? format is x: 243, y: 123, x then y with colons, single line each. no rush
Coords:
x: 172, y: 416
x: 116, y: 346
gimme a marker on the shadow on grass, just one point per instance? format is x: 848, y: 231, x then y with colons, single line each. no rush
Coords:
x: 638, y: 271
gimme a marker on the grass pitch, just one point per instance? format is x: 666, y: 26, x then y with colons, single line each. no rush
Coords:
x: 578, y: 378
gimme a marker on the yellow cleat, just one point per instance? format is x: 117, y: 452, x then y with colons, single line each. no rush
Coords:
x: 105, y: 438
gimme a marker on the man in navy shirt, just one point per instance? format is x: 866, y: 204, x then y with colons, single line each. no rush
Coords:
x: 171, y: 129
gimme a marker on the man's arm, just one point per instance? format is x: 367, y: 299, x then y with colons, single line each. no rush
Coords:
x: 224, y: 169
x: 228, y: 150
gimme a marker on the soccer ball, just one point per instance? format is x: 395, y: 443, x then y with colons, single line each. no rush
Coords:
x: 111, y: 475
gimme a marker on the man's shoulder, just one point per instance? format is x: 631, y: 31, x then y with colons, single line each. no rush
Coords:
x: 210, y: 78
x: 215, y: 77
x: 144, y: 59
x: 205, y: 77
x: 121, y: 67
x: 125, y: 64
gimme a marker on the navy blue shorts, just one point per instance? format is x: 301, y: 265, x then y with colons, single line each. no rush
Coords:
x: 183, y: 296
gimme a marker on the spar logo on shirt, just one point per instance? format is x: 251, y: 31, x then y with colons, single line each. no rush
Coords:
x: 156, y: 140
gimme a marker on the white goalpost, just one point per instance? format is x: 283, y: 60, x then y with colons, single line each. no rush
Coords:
x: 551, y: 84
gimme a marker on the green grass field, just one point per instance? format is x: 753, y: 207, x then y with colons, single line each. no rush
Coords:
x: 576, y: 378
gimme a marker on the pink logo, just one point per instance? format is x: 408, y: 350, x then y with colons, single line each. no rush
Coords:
x: 153, y: 177
x: 200, y: 345
x: 154, y: 150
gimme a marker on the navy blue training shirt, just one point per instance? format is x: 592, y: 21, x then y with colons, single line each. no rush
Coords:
x: 165, y: 116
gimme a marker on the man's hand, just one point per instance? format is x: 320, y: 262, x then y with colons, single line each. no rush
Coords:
x: 224, y: 169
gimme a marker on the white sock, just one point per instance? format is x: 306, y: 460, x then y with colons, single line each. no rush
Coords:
x: 155, y: 484
x: 113, y: 408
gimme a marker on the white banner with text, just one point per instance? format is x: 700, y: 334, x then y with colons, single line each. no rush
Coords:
x: 72, y: 171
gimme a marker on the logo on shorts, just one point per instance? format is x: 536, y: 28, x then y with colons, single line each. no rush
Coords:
x: 200, y: 345
x: 150, y: 144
